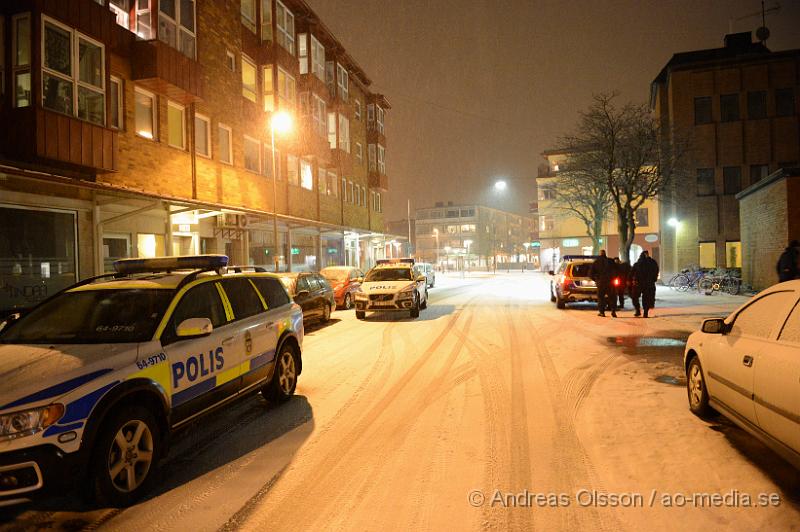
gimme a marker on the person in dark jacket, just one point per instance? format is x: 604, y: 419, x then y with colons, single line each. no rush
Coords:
x: 644, y: 275
x: 623, y: 270
x: 602, y: 274
x: 787, y: 263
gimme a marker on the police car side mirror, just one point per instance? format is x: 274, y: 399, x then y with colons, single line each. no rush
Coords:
x: 194, y: 327
x: 301, y: 293
x: 714, y: 326
x: 421, y: 278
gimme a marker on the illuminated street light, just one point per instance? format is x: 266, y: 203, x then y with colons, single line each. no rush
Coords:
x: 280, y: 122
x: 500, y: 185
x: 673, y: 222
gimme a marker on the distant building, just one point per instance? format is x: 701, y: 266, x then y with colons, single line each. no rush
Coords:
x: 770, y: 214
x: 738, y: 103
x: 475, y: 236
x: 401, y: 227
x: 563, y: 233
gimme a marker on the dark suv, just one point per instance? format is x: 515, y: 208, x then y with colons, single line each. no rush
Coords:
x: 572, y: 282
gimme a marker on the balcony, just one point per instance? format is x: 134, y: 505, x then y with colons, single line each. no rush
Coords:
x: 47, y: 137
x: 378, y: 181
x: 164, y: 70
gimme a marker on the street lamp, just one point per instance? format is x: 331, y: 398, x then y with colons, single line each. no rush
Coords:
x: 436, y: 234
x: 500, y: 185
x: 280, y: 122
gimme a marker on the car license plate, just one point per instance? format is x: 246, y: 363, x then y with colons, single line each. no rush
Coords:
x: 587, y: 283
x: 383, y: 304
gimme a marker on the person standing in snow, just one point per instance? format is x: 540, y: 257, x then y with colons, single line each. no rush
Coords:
x: 602, y: 274
x: 644, y: 275
x: 787, y: 263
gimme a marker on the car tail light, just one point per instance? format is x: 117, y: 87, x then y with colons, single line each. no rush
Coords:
x: 615, y: 281
x: 565, y: 280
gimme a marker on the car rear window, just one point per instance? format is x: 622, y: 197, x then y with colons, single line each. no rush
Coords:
x: 272, y: 290
x: 243, y: 298
x: 581, y: 270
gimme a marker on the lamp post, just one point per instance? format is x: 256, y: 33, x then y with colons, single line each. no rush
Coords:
x: 436, y: 235
x: 526, y: 245
x: 281, y: 122
x: 675, y: 224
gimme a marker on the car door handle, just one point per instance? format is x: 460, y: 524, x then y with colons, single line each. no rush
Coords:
x: 747, y: 361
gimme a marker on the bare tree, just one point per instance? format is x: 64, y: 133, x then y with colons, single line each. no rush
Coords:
x: 583, y: 196
x: 624, y: 148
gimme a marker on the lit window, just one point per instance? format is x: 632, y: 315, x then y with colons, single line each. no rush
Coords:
x: 176, y: 25
x: 306, y: 175
x: 230, y: 60
x: 121, y: 10
x: 145, y: 114
x: 252, y: 154
x: 733, y: 254
x: 225, y: 144
x: 344, y: 133
x: 317, y: 59
x: 249, y: 14
x: 144, y: 24
x: 284, y: 20
x: 708, y: 254
x: 266, y: 20
x: 380, y: 205
x: 21, y: 59
x: 176, y: 125
x: 249, y: 79
x: 115, y: 97
x: 73, y: 73
x: 342, y: 82
x: 332, y: 130
x: 269, y: 89
x: 287, y: 89
x: 202, y: 135
x: 302, y: 52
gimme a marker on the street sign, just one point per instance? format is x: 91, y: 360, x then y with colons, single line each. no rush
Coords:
x: 295, y: 251
x: 536, y: 244
x: 570, y: 242
x: 332, y: 251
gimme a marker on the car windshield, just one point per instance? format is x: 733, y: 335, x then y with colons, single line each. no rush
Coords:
x: 581, y: 270
x: 334, y: 275
x: 389, y: 274
x: 92, y: 317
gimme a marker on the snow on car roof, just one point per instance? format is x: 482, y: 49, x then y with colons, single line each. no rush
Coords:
x: 156, y: 281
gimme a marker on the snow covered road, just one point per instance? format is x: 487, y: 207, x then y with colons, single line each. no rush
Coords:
x: 493, y: 410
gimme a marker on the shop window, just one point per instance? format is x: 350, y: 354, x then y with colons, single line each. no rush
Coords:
x: 705, y: 182
x: 176, y: 125
x: 225, y: 144
x: 145, y: 114
x: 784, y: 102
x: 115, y: 99
x: 21, y: 59
x: 202, y: 135
x: 732, y: 177
x: 150, y: 245
x: 73, y: 73
x: 702, y: 110
x: 252, y: 154
x: 37, y: 255
x: 115, y: 247
x: 729, y: 107
x: 733, y: 254
x: 756, y: 104
x: 708, y: 254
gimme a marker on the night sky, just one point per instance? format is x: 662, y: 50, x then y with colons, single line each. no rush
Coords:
x: 479, y: 88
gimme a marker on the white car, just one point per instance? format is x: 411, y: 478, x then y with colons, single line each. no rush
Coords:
x: 747, y: 367
x: 95, y: 379
x: 392, y: 285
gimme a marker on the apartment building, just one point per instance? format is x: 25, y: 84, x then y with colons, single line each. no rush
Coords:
x: 140, y: 128
x: 562, y: 232
x: 738, y: 106
x: 474, y: 236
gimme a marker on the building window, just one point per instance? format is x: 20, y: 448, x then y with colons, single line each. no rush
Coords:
x: 358, y: 110
x: 733, y: 254
x: 642, y: 217
x: 332, y: 130
x: 21, y: 59
x: 306, y: 175
x: 322, y: 181
x: 732, y: 179
x: 291, y: 170
x: 342, y: 82
x: 266, y: 20
x: 252, y: 154
x: 333, y: 190
x: 122, y: 11
x: 758, y: 172
x: 344, y: 189
x: 284, y: 20
x: 144, y: 25
x: 702, y: 110
x: 352, y: 192
x: 705, y: 182
x: 729, y: 107
x: 115, y: 99
x: 381, y: 159
x: 302, y: 52
x: 344, y: 133
x: 176, y: 25
x: 269, y: 89
x: 320, y: 115
x: 379, y: 119
x: 546, y: 193
x: 287, y: 89
x: 202, y: 135
x: 546, y: 223
x: 370, y: 114
x: 249, y: 14
x: 176, y: 125
x: 225, y: 144
x: 708, y: 254
x: 317, y: 59
x: 784, y: 102
x: 380, y: 204
x: 230, y: 60
x: 73, y: 73
x: 756, y: 105
x: 145, y: 114
x: 360, y: 152
x: 249, y: 79
x: 373, y: 165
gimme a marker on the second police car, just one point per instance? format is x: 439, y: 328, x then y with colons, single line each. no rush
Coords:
x: 392, y: 285
x: 97, y: 377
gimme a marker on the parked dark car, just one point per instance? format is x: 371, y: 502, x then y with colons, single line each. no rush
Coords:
x: 312, y: 292
x: 345, y: 281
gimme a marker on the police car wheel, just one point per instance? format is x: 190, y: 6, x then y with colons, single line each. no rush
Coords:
x: 415, y: 310
x: 424, y: 304
x: 360, y: 315
x: 284, y: 378
x: 125, y: 456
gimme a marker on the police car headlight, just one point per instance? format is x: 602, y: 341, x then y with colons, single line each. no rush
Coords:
x: 361, y: 295
x: 406, y: 292
x: 27, y: 422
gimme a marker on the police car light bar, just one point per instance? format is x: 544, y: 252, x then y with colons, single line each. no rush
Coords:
x: 394, y: 261
x: 166, y: 264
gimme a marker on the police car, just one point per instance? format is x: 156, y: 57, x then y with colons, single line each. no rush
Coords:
x: 392, y: 285
x: 96, y: 378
